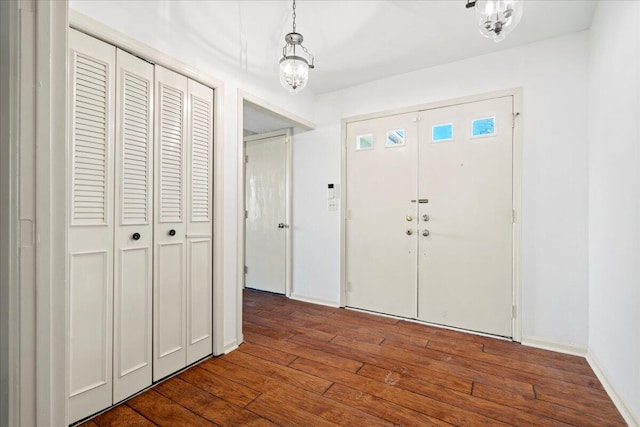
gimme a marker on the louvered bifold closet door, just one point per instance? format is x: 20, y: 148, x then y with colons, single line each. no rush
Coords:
x: 132, y: 352
x: 199, y: 220
x: 170, y: 292
x: 90, y: 233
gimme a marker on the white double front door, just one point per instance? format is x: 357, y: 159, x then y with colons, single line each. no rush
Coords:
x: 429, y: 227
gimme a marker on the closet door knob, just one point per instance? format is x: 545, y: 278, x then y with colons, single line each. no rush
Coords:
x: 135, y: 236
x: 172, y: 232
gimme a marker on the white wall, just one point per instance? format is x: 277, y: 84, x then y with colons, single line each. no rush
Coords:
x: 553, y: 75
x: 158, y: 26
x: 614, y: 197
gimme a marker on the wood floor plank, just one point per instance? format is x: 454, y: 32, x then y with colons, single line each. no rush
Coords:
x: 287, y: 375
x: 436, y: 371
x: 535, y: 406
x: 165, y: 412
x: 219, y: 386
x: 328, y: 409
x: 303, y: 351
x: 461, y: 400
x: 207, y: 405
x: 268, y: 353
x: 122, y: 416
x: 89, y: 423
x: 309, y: 365
x: 414, y: 401
x: 283, y: 412
x: 381, y: 408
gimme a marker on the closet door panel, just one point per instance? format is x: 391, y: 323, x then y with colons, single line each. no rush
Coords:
x: 199, y: 222
x: 170, y: 223
x: 90, y: 234
x: 134, y: 226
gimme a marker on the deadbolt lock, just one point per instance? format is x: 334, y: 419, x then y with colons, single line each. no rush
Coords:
x: 409, y: 232
x: 425, y: 217
x: 409, y: 218
x: 425, y: 233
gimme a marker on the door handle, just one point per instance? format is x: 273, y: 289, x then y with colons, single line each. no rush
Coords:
x: 281, y: 225
x: 409, y: 218
x: 135, y: 236
x: 425, y: 233
x: 172, y: 232
x: 425, y: 217
x: 409, y: 232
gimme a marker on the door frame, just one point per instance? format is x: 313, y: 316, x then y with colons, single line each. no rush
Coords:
x: 516, y: 94
x: 300, y: 123
x: 288, y: 205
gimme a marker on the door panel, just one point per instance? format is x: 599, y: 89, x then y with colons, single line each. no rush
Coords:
x: 199, y: 223
x: 265, y: 182
x: 90, y: 234
x: 199, y: 275
x: 465, y: 266
x: 381, y: 257
x: 133, y: 236
x: 169, y: 318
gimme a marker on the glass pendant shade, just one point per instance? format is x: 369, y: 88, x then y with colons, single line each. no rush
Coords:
x: 497, y: 18
x: 294, y: 73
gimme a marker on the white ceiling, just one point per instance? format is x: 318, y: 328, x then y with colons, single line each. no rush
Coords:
x: 353, y: 41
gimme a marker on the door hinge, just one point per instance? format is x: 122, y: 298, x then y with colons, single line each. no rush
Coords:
x: 246, y: 270
x: 417, y: 118
x: 513, y: 216
x: 514, y: 311
x: 513, y: 120
x: 246, y: 214
x: 246, y: 158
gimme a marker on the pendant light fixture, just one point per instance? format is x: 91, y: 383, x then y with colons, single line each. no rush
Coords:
x: 497, y: 18
x: 295, y: 65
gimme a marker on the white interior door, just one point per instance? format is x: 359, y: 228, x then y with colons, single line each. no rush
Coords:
x: 170, y: 296
x: 90, y: 233
x: 266, y: 226
x: 132, y: 361
x: 199, y: 222
x: 466, y: 174
x: 381, y: 245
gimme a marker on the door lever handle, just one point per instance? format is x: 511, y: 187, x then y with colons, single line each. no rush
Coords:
x: 281, y: 225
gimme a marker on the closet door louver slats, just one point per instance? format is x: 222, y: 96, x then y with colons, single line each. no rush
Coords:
x: 89, y: 163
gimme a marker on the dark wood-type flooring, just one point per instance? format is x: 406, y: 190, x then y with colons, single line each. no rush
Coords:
x: 309, y: 365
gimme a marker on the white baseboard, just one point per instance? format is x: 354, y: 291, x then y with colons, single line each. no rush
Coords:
x: 546, y: 344
x: 230, y: 346
x: 314, y: 300
x: 625, y: 410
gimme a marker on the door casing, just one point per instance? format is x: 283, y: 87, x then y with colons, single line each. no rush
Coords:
x: 516, y: 93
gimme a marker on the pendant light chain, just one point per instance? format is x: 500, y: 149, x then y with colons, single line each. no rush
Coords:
x: 294, y: 16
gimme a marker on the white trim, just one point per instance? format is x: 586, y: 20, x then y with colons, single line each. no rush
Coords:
x: 107, y: 34
x: 9, y: 230
x: 275, y: 111
x: 545, y: 344
x: 314, y: 300
x: 50, y: 26
x: 516, y: 94
x: 299, y: 122
x: 625, y: 409
x: 230, y: 346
